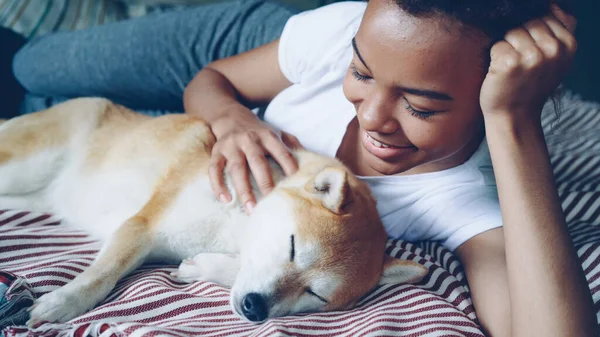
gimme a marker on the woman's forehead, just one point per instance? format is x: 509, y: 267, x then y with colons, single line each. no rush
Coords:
x: 433, y: 49
x: 387, y: 23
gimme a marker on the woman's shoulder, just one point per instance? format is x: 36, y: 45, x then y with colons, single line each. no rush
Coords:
x: 327, y: 24
x: 315, y: 41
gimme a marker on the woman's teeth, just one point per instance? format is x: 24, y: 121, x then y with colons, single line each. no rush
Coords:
x: 376, y: 143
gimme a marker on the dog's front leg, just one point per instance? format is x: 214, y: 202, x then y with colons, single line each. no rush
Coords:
x: 210, y: 267
x: 124, y: 252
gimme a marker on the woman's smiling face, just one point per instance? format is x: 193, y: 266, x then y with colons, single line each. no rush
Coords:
x: 415, y: 84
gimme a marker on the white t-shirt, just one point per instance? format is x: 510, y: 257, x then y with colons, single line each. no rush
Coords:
x: 315, y: 51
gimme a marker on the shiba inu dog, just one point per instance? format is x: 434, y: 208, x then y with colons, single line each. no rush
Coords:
x: 140, y: 185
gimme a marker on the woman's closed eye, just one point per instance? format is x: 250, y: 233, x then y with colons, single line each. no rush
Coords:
x: 357, y: 75
x: 422, y: 114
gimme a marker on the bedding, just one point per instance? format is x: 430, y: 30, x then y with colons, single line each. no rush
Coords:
x: 32, y: 19
x: 35, y: 18
x: 38, y: 253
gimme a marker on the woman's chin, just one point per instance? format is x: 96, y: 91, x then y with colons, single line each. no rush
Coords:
x: 387, y: 165
x: 375, y: 166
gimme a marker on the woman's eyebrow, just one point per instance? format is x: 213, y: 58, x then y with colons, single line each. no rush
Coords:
x: 358, y: 53
x: 413, y: 91
x: 428, y: 94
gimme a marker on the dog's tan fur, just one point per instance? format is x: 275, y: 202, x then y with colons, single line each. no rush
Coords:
x: 83, y: 141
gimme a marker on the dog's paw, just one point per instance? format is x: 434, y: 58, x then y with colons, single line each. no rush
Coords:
x: 192, y: 269
x: 59, y: 306
x: 209, y: 267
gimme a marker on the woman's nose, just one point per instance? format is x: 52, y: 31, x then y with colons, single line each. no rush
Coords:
x: 378, y: 114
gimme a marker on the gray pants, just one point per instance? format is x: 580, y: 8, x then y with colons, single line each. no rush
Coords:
x: 145, y: 63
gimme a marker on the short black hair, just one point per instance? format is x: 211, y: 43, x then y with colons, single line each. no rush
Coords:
x: 493, y: 17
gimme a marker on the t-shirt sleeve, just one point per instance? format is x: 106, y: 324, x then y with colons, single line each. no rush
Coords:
x: 311, y: 40
x: 472, y: 208
x: 471, y: 212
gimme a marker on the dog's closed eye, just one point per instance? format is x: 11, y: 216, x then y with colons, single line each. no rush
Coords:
x: 292, y: 249
x: 312, y: 293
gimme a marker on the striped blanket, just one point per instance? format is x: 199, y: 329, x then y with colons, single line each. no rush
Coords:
x: 38, y: 249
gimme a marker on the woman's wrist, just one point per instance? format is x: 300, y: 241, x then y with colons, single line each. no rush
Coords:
x: 513, y: 123
x: 231, y: 116
x: 522, y: 168
x: 209, y: 96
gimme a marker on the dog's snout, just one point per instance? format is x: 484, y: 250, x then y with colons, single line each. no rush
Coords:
x: 254, y: 307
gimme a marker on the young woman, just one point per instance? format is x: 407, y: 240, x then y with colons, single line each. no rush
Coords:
x: 409, y: 94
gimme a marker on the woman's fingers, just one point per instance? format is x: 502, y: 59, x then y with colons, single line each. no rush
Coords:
x: 259, y: 166
x: 291, y: 141
x: 545, y: 39
x: 529, y: 53
x: 280, y: 153
x: 244, y: 153
x: 504, y: 58
x: 543, y: 43
x: 519, y: 38
x: 569, y: 22
x: 231, y: 158
x: 216, y: 176
x: 237, y: 168
x: 564, y: 35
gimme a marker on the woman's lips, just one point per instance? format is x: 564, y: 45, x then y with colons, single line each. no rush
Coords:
x: 382, y: 150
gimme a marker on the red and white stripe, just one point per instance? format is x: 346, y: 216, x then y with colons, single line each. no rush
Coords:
x: 149, y: 302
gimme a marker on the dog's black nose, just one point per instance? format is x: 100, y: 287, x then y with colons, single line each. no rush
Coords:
x: 254, y: 307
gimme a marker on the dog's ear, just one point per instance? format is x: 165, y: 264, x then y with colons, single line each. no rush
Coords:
x: 332, y: 187
x: 401, y: 271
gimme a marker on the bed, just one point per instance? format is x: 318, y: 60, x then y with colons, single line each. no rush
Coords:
x: 39, y: 254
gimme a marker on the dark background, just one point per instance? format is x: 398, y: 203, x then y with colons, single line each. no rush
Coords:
x: 585, y: 74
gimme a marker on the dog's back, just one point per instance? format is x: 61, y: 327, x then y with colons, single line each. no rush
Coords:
x: 97, y: 164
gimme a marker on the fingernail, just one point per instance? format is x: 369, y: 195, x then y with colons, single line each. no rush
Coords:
x: 223, y: 198
x: 249, y: 207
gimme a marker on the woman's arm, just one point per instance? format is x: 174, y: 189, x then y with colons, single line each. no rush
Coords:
x: 484, y: 260
x: 222, y: 94
x: 544, y: 291
x: 252, y: 78
x: 549, y: 295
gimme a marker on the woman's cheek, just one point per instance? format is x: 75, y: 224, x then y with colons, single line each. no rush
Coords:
x: 429, y: 137
x: 415, y: 130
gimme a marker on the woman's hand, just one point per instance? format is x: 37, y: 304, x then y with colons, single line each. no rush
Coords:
x: 528, y: 65
x: 244, y: 142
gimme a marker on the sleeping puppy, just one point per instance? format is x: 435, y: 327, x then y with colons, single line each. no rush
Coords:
x: 140, y: 185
